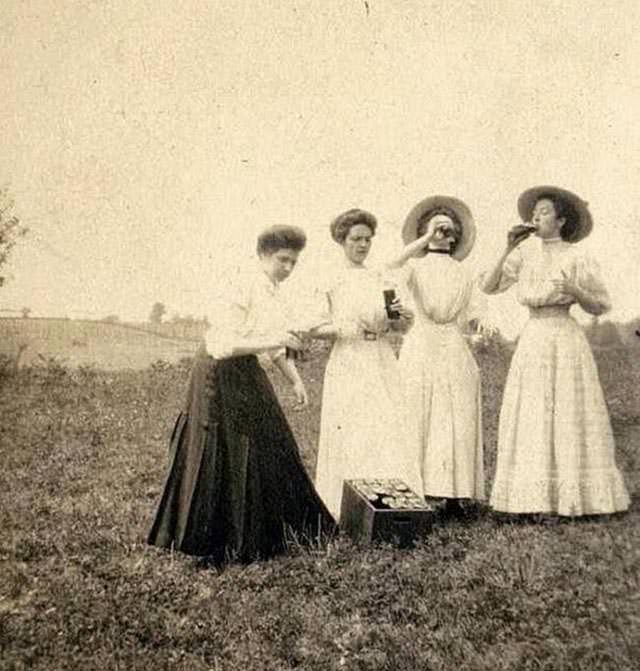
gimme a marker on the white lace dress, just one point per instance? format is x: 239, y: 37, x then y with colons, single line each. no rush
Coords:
x: 555, y: 445
x: 441, y: 380
x: 361, y: 429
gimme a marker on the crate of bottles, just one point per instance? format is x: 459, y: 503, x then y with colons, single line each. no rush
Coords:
x: 385, y: 510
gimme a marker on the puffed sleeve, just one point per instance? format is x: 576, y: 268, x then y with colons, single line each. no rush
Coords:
x: 330, y: 311
x: 588, y: 279
x: 322, y: 300
x: 477, y: 306
x: 231, y: 322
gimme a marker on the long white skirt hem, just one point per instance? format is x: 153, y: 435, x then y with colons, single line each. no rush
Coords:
x: 556, y: 452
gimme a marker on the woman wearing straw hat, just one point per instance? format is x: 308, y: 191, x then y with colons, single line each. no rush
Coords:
x: 361, y: 423
x: 442, y: 382
x: 555, y: 445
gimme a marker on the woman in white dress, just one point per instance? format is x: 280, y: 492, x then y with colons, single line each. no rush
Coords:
x: 441, y: 378
x: 361, y: 432
x: 555, y: 444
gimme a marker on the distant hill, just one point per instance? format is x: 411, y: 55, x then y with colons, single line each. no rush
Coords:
x: 115, y: 345
x: 109, y: 345
x: 182, y: 329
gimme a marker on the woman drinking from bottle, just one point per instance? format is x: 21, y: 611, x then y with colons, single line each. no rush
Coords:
x: 440, y: 375
x: 555, y: 444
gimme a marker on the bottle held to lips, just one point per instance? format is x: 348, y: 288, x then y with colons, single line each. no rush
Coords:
x: 522, y: 231
x: 443, y: 231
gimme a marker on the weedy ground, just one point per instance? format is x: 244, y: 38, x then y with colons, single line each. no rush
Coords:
x: 83, y: 454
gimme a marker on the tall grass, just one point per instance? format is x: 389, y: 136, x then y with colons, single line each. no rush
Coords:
x: 83, y: 458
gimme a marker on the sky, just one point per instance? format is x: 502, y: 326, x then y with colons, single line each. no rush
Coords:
x: 146, y: 144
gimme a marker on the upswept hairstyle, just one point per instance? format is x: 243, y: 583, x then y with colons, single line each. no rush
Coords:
x: 275, y: 238
x: 344, y: 222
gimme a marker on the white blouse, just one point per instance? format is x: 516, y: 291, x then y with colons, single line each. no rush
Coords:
x: 254, y: 308
x: 444, y: 290
x: 536, y: 263
x: 354, y: 302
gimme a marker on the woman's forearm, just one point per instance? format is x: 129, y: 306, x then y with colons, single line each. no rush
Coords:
x: 324, y: 332
x: 288, y: 369
x: 490, y: 282
x: 244, y: 346
x: 589, y: 304
x: 252, y: 346
x: 410, y: 250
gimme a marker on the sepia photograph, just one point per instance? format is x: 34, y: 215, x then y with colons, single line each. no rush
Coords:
x: 320, y: 335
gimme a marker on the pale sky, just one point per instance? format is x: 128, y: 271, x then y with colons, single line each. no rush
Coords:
x: 146, y: 143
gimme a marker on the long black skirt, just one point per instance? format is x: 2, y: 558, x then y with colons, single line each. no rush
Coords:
x: 236, y: 487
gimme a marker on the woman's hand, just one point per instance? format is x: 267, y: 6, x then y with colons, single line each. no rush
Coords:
x: 300, y: 392
x: 291, y: 340
x: 565, y: 285
x: 422, y: 242
x: 405, y: 313
x: 490, y: 281
x: 486, y: 329
x: 405, y: 321
x: 326, y: 331
x: 417, y: 247
x: 518, y: 234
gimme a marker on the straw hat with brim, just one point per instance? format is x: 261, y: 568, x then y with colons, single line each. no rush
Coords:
x: 465, y: 244
x: 530, y: 197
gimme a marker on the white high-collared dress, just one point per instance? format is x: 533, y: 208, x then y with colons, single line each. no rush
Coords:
x: 361, y: 427
x: 556, y: 451
x: 442, y: 381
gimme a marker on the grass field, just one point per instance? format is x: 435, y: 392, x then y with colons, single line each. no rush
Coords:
x: 111, y: 346
x: 83, y: 458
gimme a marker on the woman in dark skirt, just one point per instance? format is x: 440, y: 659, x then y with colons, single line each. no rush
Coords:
x: 236, y: 486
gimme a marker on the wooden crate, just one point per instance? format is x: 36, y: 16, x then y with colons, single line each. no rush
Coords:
x: 388, y: 517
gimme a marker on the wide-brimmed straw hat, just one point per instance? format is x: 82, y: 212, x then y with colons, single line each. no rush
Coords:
x: 465, y: 244
x: 528, y: 199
